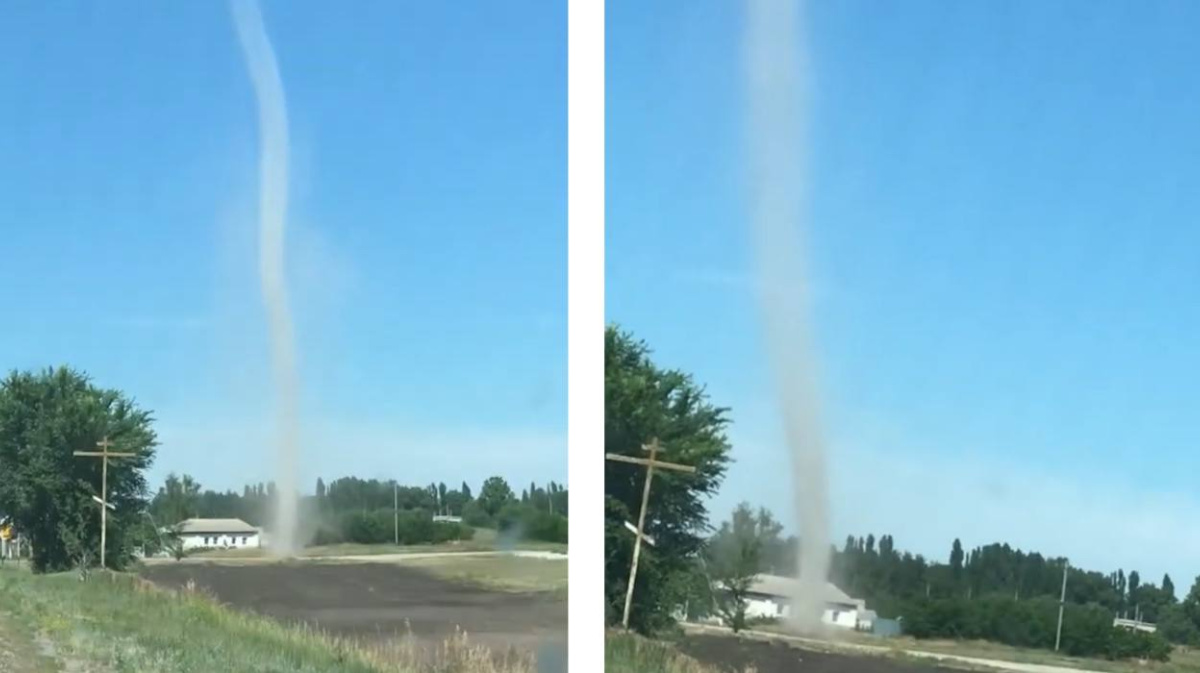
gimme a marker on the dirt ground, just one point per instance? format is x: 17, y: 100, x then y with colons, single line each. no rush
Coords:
x: 379, y: 601
x: 729, y: 653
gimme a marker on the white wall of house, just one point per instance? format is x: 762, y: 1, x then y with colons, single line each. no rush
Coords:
x: 765, y: 606
x: 843, y: 616
x: 219, y: 540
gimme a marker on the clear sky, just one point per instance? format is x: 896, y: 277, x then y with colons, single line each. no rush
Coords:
x: 1004, y: 263
x: 427, y: 236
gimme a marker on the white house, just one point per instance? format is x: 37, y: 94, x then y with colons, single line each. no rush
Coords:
x: 1134, y: 625
x: 771, y: 596
x: 218, y: 534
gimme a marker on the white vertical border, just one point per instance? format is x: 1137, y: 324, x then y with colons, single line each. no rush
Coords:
x: 585, y: 332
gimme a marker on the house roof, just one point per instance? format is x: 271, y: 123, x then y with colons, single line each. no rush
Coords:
x: 211, y: 526
x: 786, y: 587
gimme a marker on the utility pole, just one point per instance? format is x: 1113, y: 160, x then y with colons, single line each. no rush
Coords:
x: 651, y: 463
x: 396, y: 513
x: 1062, y: 601
x: 104, y: 454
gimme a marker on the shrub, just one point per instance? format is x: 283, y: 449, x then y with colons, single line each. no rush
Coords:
x: 474, y: 515
x: 528, y: 523
x: 1087, y: 629
x: 383, y: 526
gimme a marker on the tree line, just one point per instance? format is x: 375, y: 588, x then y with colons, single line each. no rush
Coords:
x: 891, y: 580
x: 363, y: 511
x: 992, y: 592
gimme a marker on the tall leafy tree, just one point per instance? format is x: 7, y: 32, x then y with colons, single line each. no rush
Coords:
x: 44, y: 418
x: 178, y: 499
x: 494, y: 495
x: 1191, y: 603
x: 1168, y: 586
x: 956, y: 560
x: 734, y: 559
x: 644, y: 402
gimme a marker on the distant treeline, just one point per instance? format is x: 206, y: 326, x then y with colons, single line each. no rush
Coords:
x: 996, y: 592
x: 356, y: 510
x: 1087, y: 630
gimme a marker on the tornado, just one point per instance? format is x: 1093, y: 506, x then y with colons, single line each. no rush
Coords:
x: 272, y: 222
x: 776, y: 72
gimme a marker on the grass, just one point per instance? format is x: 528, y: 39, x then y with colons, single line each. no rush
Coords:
x: 502, y: 573
x: 630, y: 653
x: 19, y: 649
x: 122, y: 624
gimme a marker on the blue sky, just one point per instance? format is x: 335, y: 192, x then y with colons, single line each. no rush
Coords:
x: 426, y: 242
x: 1003, y: 263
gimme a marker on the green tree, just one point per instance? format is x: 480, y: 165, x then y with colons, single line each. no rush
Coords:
x: 643, y: 402
x: 735, y: 556
x: 466, y: 491
x: 44, y: 418
x: 1168, y: 586
x: 455, y: 500
x: 178, y: 499
x: 1191, y: 603
x: 494, y: 495
x: 956, y: 560
x: 1176, y: 627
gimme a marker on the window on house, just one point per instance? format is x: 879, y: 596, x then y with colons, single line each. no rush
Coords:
x: 244, y: 538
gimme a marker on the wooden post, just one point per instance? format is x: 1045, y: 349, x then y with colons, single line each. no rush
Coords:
x: 1062, y: 601
x: 649, y: 464
x: 104, y: 454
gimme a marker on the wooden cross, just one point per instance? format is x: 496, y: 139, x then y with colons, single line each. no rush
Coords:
x: 104, y: 454
x: 640, y: 533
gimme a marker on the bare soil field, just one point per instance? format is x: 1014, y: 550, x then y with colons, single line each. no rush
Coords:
x: 729, y: 653
x: 377, y: 601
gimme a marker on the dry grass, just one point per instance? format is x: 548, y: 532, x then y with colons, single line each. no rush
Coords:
x: 631, y: 653
x: 503, y: 573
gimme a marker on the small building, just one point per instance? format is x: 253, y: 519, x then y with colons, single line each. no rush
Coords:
x: 218, y: 534
x: 1134, y: 625
x: 770, y: 596
x: 446, y: 518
